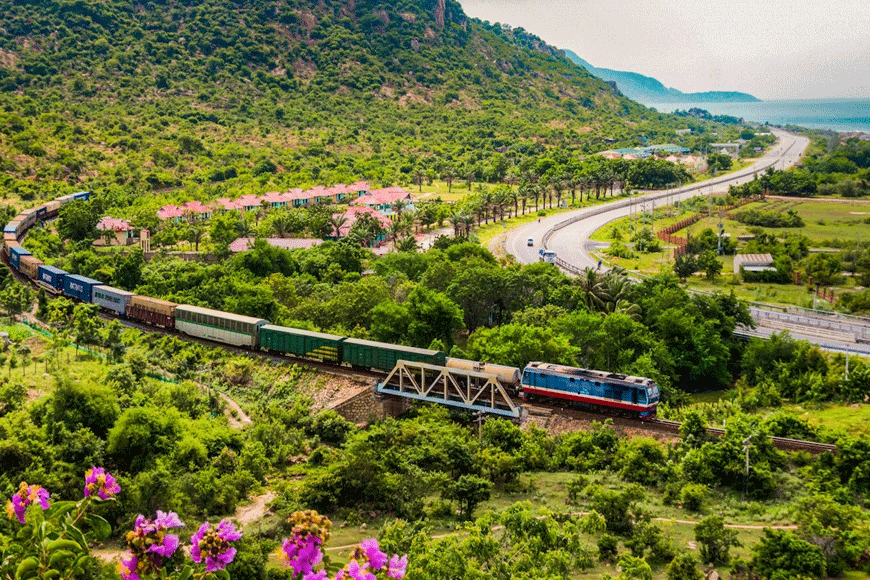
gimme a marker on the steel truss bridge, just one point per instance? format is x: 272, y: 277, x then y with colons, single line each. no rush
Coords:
x: 444, y: 386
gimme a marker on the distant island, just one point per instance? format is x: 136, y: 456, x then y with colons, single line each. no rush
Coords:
x: 649, y: 90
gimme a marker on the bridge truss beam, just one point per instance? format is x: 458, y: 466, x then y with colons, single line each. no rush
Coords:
x: 443, y: 386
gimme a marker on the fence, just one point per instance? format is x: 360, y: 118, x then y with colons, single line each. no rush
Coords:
x: 682, y: 244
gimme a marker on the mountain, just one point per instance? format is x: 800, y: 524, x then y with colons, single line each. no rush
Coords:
x: 225, y: 94
x: 648, y: 90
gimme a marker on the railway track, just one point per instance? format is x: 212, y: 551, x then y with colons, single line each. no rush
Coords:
x: 665, y: 427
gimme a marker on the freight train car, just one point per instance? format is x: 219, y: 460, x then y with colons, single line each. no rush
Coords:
x: 14, y: 228
x: 598, y: 390
x: 29, y: 266
x: 303, y: 343
x: 223, y: 327
x: 51, y: 277
x: 80, y: 287
x: 506, y: 375
x: 152, y: 311
x: 113, y: 299
x: 15, y: 253
x: 383, y: 356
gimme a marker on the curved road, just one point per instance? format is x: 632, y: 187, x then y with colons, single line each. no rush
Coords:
x: 568, y: 235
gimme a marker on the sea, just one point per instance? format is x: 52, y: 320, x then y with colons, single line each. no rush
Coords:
x: 844, y: 115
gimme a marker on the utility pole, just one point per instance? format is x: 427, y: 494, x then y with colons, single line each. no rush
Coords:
x: 746, y: 443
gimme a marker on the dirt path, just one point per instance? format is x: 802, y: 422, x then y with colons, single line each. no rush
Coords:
x: 241, y: 419
x: 254, y: 511
x: 665, y: 520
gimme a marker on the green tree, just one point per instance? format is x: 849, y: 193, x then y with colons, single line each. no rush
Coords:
x: 708, y: 262
x: 781, y: 555
x: 715, y: 540
x: 684, y: 567
x: 685, y: 265
x: 433, y: 316
x: 77, y: 221
x: 468, y: 491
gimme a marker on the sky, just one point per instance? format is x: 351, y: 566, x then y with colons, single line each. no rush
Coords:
x: 773, y: 49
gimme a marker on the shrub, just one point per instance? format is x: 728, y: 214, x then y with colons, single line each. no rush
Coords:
x: 693, y: 496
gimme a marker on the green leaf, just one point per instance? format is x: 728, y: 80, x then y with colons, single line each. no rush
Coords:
x: 222, y: 574
x: 60, y: 508
x: 26, y: 569
x: 78, y: 536
x: 58, y: 559
x: 62, y: 544
x: 101, y: 527
x: 185, y: 574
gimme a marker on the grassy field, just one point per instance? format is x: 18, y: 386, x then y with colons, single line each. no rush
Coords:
x: 824, y: 221
x: 547, y: 492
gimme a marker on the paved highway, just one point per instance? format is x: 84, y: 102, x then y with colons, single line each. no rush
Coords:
x: 568, y: 235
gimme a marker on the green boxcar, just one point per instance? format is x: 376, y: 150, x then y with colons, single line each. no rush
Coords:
x: 304, y: 343
x: 383, y: 356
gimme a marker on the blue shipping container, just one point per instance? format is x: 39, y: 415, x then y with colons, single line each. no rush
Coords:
x: 11, y: 228
x: 52, y: 276
x: 85, y: 195
x: 15, y: 253
x: 80, y: 287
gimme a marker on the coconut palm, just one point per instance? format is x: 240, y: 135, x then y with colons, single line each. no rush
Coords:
x: 337, y: 221
x: 281, y: 225
x: 406, y: 244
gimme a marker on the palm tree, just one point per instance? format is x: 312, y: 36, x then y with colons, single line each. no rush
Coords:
x: 449, y: 176
x: 245, y: 228
x: 592, y: 290
x: 407, y: 244
x: 281, y: 225
x: 398, y: 207
x: 337, y: 221
x: 456, y: 220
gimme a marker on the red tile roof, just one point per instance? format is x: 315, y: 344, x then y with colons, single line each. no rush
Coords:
x: 114, y: 224
x: 245, y: 244
x: 352, y: 214
x: 386, y: 195
x: 169, y: 211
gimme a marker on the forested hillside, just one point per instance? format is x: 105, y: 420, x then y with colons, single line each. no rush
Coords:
x: 283, y: 93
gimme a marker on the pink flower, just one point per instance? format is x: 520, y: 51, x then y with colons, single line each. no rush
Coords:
x: 16, y: 507
x: 128, y: 568
x: 301, y: 553
x: 212, y: 544
x: 149, y: 545
x: 373, y: 553
x: 97, y: 481
x: 397, y: 567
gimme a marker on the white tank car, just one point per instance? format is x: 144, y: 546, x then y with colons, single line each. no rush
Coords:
x: 508, y: 376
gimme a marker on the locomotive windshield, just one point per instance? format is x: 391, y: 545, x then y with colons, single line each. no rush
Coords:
x: 652, y: 392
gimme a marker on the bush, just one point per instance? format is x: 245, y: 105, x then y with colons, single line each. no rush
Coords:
x: 608, y: 548
x: 693, y: 496
x: 684, y: 567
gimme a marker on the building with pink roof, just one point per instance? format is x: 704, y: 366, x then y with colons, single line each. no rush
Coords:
x: 352, y: 214
x: 297, y: 197
x: 245, y: 244
x: 249, y: 202
x: 196, y: 209
x: 170, y: 212
x: 383, y: 199
x: 124, y: 233
x: 225, y: 204
x: 275, y: 199
x: 359, y: 188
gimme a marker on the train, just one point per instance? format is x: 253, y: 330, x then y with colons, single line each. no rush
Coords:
x: 539, y: 381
